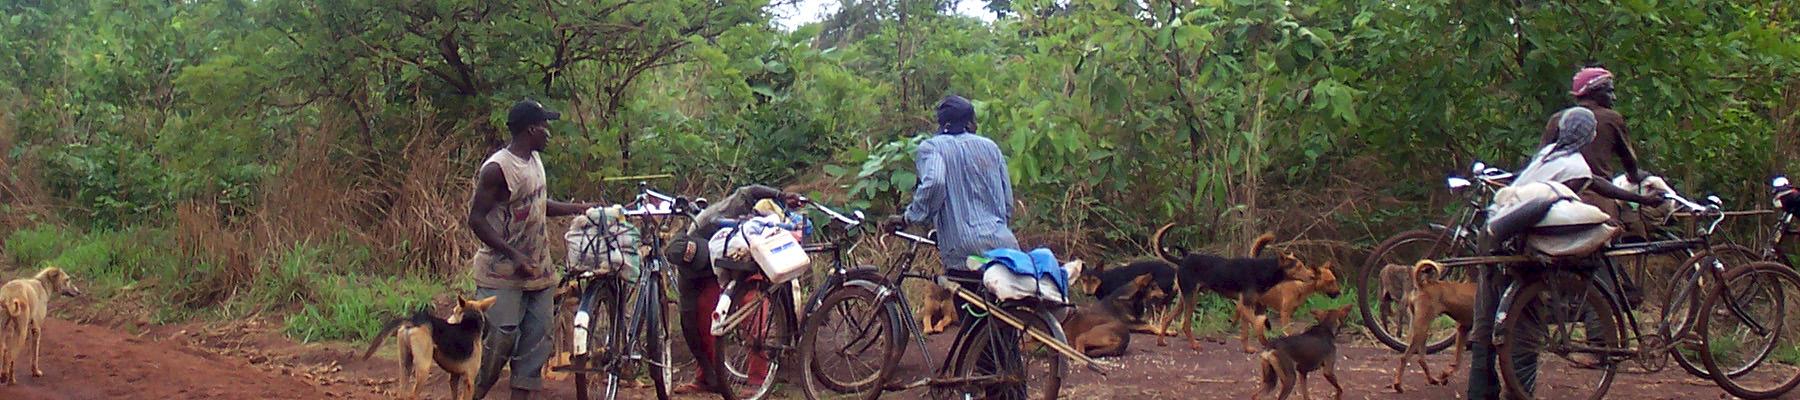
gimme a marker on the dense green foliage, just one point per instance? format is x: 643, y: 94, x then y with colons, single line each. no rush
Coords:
x: 1116, y: 115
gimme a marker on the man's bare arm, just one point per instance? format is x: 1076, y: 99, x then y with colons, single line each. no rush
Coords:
x: 558, y: 209
x: 490, y: 191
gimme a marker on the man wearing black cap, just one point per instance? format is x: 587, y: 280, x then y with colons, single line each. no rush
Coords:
x: 966, y: 194
x: 508, y: 213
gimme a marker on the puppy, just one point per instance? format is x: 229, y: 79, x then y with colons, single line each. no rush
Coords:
x: 26, y: 302
x: 1102, y: 283
x: 1434, y: 297
x: 1099, y: 329
x: 938, y: 312
x: 1290, y: 359
x: 454, y: 343
x: 1244, y: 279
x: 1286, y: 297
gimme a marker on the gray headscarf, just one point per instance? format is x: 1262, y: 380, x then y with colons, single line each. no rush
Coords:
x: 1574, y: 130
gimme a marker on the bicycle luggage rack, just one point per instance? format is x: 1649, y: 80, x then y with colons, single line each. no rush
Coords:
x: 1096, y: 366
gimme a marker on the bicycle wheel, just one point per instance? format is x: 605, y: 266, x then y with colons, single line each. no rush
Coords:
x: 1680, y: 307
x: 1382, y: 301
x: 1562, y: 328
x: 1018, y: 372
x: 593, y: 349
x: 849, y: 344
x: 1745, y: 322
x: 750, y: 353
x: 652, y: 332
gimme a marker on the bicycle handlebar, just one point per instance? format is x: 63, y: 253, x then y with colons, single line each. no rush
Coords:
x: 1690, y: 205
x: 835, y: 215
x: 917, y: 238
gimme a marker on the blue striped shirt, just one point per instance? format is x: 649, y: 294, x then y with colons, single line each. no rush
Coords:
x: 966, y: 194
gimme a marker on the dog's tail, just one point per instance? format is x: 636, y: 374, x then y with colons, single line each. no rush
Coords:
x: 1426, y: 271
x: 1261, y: 242
x: 1156, y: 241
x: 15, y: 308
x: 386, y: 330
x: 1263, y: 321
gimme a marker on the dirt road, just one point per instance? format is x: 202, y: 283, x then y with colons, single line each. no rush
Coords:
x: 250, y: 361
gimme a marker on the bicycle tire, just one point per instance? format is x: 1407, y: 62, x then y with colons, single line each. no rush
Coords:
x: 600, y: 335
x: 654, y: 333
x: 1686, y: 299
x: 1787, y: 283
x: 1047, y: 387
x: 817, y: 379
x: 766, y: 331
x: 1527, y: 306
x: 1369, y: 286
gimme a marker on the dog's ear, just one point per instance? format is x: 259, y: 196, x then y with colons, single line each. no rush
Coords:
x: 1319, y: 314
x: 483, y: 304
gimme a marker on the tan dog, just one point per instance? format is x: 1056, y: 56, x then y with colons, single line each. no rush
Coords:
x: 1287, y: 296
x: 1431, y: 298
x: 26, y: 302
x: 1100, y: 329
x: 1291, y: 358
x: 454, y: 343
x: 938, y: 312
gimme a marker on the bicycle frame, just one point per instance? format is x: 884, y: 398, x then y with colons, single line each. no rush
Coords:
x: 1615, y: 288
x: 646, y: 292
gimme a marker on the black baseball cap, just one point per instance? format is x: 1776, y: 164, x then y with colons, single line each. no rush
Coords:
x: 528, y: 112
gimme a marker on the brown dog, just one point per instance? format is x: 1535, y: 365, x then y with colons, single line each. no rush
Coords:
x: 454, y: 343
x: 938, y: 312
x: 1099, y: 329
x: 1290, y: 359
x: 1100, y: 283
x: 26, y: 302
x: 1431, y: 298
x: 1287, y: 296
x: 1244, y: 279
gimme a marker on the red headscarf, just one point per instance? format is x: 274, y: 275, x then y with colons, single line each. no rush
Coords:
x: 1589, y: 79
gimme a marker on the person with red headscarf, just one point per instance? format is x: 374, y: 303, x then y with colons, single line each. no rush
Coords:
x: 1593, y: 89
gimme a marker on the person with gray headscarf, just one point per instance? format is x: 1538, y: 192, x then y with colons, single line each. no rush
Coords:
x: 1561, y: 161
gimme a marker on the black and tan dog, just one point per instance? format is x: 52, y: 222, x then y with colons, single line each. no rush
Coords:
x: 1103, y: 282
x: 1431, y: 298
x: 453, y: 343
x: 1290, y: 359
x: 24, y: 303
x: 1243, y: 279
x: 1100, y: 329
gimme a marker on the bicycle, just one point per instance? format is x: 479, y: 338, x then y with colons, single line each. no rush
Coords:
x: 620, y: 322
x: 754, y: 335
x: 968, y: 369
x: 1577, y: 314
x: 1386, y: 318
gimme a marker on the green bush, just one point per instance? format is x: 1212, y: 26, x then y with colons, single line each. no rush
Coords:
x: 38, y: 244
x: 353, y: 307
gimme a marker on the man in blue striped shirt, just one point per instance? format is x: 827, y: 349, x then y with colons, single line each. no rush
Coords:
x: 964, y: 191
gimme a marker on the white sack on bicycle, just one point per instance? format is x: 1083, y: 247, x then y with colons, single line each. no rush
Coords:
x: 1569, y: 228
x: 600, y: 240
